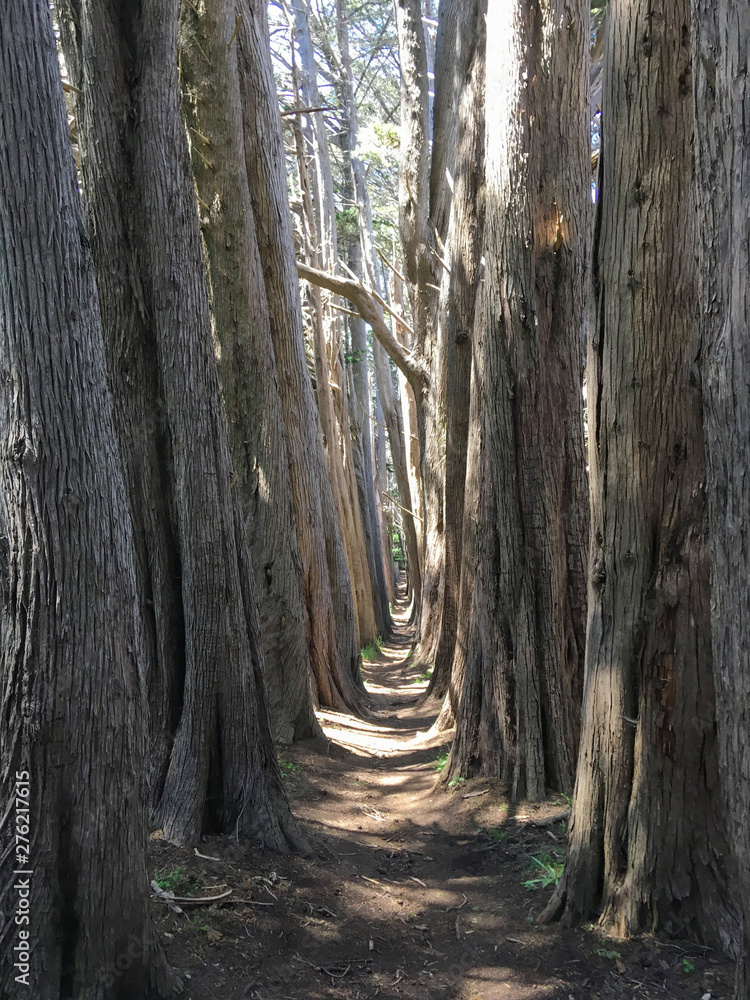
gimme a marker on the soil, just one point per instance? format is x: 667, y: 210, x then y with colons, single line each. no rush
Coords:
x: 412, y: 889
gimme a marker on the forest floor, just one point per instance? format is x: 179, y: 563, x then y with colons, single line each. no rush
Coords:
x: 412, y: 889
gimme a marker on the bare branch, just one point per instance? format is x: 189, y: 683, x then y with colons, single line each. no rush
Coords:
x: 370, y: 311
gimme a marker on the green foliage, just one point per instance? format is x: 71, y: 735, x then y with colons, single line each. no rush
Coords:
x: 372, y: 651
x: 287, y: 767
x: 347, y: 226
x: 442, y: 760
x: 456, y: 781
x: 550, y: 866
x: 687, y: 966
x: 606, y: 953
x: 170, y: 879
x: 353, y: 357
x: 422, y: 677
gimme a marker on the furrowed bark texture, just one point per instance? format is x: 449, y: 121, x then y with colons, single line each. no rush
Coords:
x: 458, y: 299
x: 326, y: 588
x: 218, y: 767
x: 535, y: 247
x: 73, y: 721
x: 647, y: 842
x: 720, y: 51
x: 247, y: 371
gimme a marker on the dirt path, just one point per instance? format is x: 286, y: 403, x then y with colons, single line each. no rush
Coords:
x: 412, y: 890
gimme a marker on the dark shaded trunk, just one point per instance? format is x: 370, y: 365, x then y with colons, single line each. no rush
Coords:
x: 245, y: 356
x: 532, y: 580
x: 326, y: 588
x: 647, y: 839
x: 73, y: 724
x: 720, y: 33
x: 215, y: 763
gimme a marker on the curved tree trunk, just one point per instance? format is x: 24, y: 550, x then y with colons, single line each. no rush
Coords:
x: 326, y: 587
x: 245, y: 356
x: 535, y: 247
x: 72, y: 779
x: 647, y: 826
x: 721, y: 30
x: 218, y: 766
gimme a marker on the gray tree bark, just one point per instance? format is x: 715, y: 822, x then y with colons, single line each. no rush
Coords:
x: 720, y: 33
x: 326, y: 587
x: 212, y: 106
x: 647, y: 832
x: 73, y: 723
x: 532, y: 530
x: 214, y: 756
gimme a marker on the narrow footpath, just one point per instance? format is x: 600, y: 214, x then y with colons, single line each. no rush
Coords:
x: 412, y: 890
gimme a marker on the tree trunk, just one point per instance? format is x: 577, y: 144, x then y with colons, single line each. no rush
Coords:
x: 647, y: 835
x: 326, y: 587
x: 218, y: 768
x: 391, y: 409
x: 245, y: 356
x: 535, y: 247
x: 362, y: 422
x: 73, y: 725
x: 456, y: 319
x: 721, y: 30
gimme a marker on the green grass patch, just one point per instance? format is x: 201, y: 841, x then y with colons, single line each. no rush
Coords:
x: 371, y: 652
x: 549, y: 868
x: 607, y: 953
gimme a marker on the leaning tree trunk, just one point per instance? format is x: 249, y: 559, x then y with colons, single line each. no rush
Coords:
x: 217, y: 764
x: 73, y: 723
x: 245, y: 356
x: 535, y: 247
x: 647, y: 837
x: 721, y: 30
x: 326, y: 587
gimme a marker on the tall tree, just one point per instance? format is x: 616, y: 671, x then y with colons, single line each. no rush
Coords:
x: 326, y: 587
x: 213, y: 751
x: 73, y: 721
x: 212, y: 104
x: 721, y: 30
x: 647, y: 839
x: 529, y: 627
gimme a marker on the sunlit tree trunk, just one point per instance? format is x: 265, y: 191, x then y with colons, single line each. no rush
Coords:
x: 647, y: 843
x: 532, y: 515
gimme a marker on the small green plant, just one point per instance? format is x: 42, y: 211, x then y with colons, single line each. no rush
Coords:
x: 287, y: 767
x: 550, y: 868
x: 372, y: 651
x: 442, y: 760
x: 606, y: 953
x: 687, y: 966
x: 168, y: 879
x: 456, y: 781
